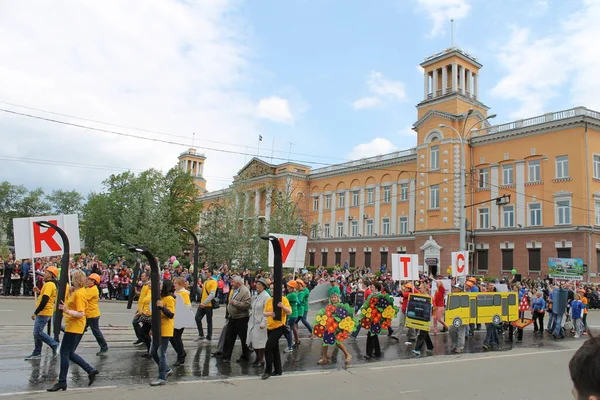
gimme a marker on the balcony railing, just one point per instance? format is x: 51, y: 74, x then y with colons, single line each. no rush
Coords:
x: 363, y: 161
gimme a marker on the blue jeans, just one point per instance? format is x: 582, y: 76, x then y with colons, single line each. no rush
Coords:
x: 491, y: 335
x: 94, y: 325
x: 67, y: 353
x: 160, y: 356
x: 290, y: 336
x: 558, y: 324
x: 39, y: 336
x: 551, y: 317
x: 305, y: 322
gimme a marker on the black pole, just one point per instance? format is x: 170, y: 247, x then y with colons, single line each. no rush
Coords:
x: 154, y: 290
x: 277, y: 274
x: 194, y: 291
x: 133, y: 282
x: 64, y: 275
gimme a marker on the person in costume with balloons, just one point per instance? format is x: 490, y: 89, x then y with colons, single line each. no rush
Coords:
x: 334, y: 324
x: 92, y: 312
x: 377, y: 312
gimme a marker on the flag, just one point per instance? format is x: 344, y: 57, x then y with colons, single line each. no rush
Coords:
x: 260, y: 138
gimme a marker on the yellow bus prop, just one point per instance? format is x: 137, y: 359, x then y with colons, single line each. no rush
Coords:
x: 481, y: 308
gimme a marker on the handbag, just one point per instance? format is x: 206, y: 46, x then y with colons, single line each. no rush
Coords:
x: 214, y: 303
x: 146, y: 319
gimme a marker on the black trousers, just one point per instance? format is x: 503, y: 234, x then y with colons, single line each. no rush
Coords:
x: 538, y: 321
x: 145, y: 335
x: 236, y: 328
x: 177, y: 343
x: 373, y: 348
x: 272, y: 355
x: 423, y: 339
x: 200, y: 313
x: 136, y: 326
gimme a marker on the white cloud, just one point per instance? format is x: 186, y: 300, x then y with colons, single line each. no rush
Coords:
x: 538, y: 69
x: 181, y: 73
x: 276, y: 109
x: 440, y: 12
x: 408, y: 131
x: 375, y: 147
x: 366, y: 102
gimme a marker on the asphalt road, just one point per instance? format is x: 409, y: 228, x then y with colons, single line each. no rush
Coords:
x: 536, y: 369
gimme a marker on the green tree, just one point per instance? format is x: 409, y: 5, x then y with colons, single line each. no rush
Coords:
x: 65, y: 201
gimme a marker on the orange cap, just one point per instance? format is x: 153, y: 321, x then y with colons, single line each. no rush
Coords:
x: 472, y: 279
x: 95, y: 278
x: 469, y: 283
x: 53, y: 270
x: 408, y: 286
x: 300, y: 282
x: 292, y: 284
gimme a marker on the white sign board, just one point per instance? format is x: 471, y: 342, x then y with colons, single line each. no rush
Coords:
x: 293, y: 250
x: 32, y: 240
x: 405, y: 267
x: 460, y: 263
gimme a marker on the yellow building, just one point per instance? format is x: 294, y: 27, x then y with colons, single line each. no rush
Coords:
x: 192, y: 162
x: 409, y: 201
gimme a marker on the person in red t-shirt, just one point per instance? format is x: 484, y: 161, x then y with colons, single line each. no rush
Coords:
x: 438, y: 304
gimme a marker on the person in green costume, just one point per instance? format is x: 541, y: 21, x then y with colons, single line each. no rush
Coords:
x: 303, y: 294
x: 292, y: 287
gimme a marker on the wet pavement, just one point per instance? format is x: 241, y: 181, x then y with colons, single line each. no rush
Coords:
x: 123, y: 364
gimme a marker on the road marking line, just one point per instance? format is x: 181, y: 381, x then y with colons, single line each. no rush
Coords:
x: 6, y: 310
x: 471, y: 359
x: 247, y: 378
x: 44, y: 391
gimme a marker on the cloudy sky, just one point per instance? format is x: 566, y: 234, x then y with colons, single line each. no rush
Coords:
x: 325, y: 81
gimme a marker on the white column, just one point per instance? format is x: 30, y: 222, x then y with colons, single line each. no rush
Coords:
x: 246, y: 201
x: 476, y: 84
x: 361, y: 211
x: 268, y: 204
x: 333, y: 222
x: 435, y: 83
x: 462, y: 79
x: 454, y: 77
x: 394, y: 204
x: 412, y: 199
x: 469, y: 86
x: 494, y: 194
x: 377, y: 222
x: 520, y: 207
x: 347, y: 213
x: 321, y: 205
x: 256, y: 202
x: 444, y: 79
x: 426, y: 85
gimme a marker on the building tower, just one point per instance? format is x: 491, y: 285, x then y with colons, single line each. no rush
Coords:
x: 193, y: 163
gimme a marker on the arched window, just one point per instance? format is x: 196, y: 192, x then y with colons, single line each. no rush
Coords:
x: 433, y: 135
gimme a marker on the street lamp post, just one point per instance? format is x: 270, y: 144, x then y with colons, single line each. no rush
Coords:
x: 463, y: 139
x: 196, y: 266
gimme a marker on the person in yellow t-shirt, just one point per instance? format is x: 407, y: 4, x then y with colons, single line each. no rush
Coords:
x: 166, y: 304
x: 209, y: 291
x: 275, y: 329
x: 74, y: 311
x: 176, y: 340
x: 43, y: 314
x: 137, y: 318
x: 92, y: 313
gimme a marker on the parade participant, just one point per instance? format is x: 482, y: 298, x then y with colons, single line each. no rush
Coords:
x: 257, y: 325
x: 145, y: 317
x: 457, y: 335
x: 373, y: 348
x: 408, y: 289
x: 334, y: 300
x: 176, y: 340
x: 577, y: 315
x: 145, y: 291
x: 303, y: 306
x: 423, y: 337
x: 74, y: 311
x: 585, y: 302
x: 292, y: 333
x: 166, y: 305
x: 92, y: 313
x: 438, y: 304
x: 584, y: 369
x: 275, y: 331
x: 43, y: 314
x: 335, y: 287
x: 538, y: 308
x: 205, y: 308
x: 238, y: 315
x: 491, y: 335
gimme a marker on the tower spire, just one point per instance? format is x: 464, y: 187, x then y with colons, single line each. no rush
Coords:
x: 452, y: 32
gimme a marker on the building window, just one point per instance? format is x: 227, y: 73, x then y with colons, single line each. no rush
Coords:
x: 369, y: 227
x: 535, y: 260
x: 355, y: 197
x: 341, y: 200
x: 404, y: 192
x: 387, y: 194
x: 484, y: 218
x: 563, y: 212
x: 597, y: 167
x: 340, y: 229
x: 314, y: 232
x: 535, y: 214
x: 328, y: 202
x: 482, y: 260
x: 484, y: 175
x: 507, y: 174
x: 315, y: 204
x: 352, y: 259
x: 434, y: 158
x: 326, y: 231
x: 434, y: 197
x: 535, y: 171
x: 404, y: 225
x: 324, y: 258
x: 354, y: 227
x: 507, y: 259
x: 369, y: 196
x: 384, y: 258
x: 385, y: 226
x: 367, y: 259
x: 563, y: 252
x: 311, y: 259
x: 597, y: 212
x: 338, y: 259
x: 562, y: 167
x: 508, y: 216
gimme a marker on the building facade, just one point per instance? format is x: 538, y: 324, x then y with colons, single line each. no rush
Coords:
x: 409, y: 201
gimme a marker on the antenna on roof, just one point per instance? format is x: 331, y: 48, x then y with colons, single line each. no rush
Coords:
x: 193, y: 138
x: 452, y: 31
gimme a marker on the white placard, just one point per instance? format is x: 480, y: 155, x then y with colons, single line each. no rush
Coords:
x: 460, y: 263
x: 405, y: 267
x: 293, y: 250
x: 33, y: 241
x: 184, y: 316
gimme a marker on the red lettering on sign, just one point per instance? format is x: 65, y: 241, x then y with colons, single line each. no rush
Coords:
x: 285, y: 249
x: 46, y: 236
x: 405, y: 262
x: 460, y: 267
